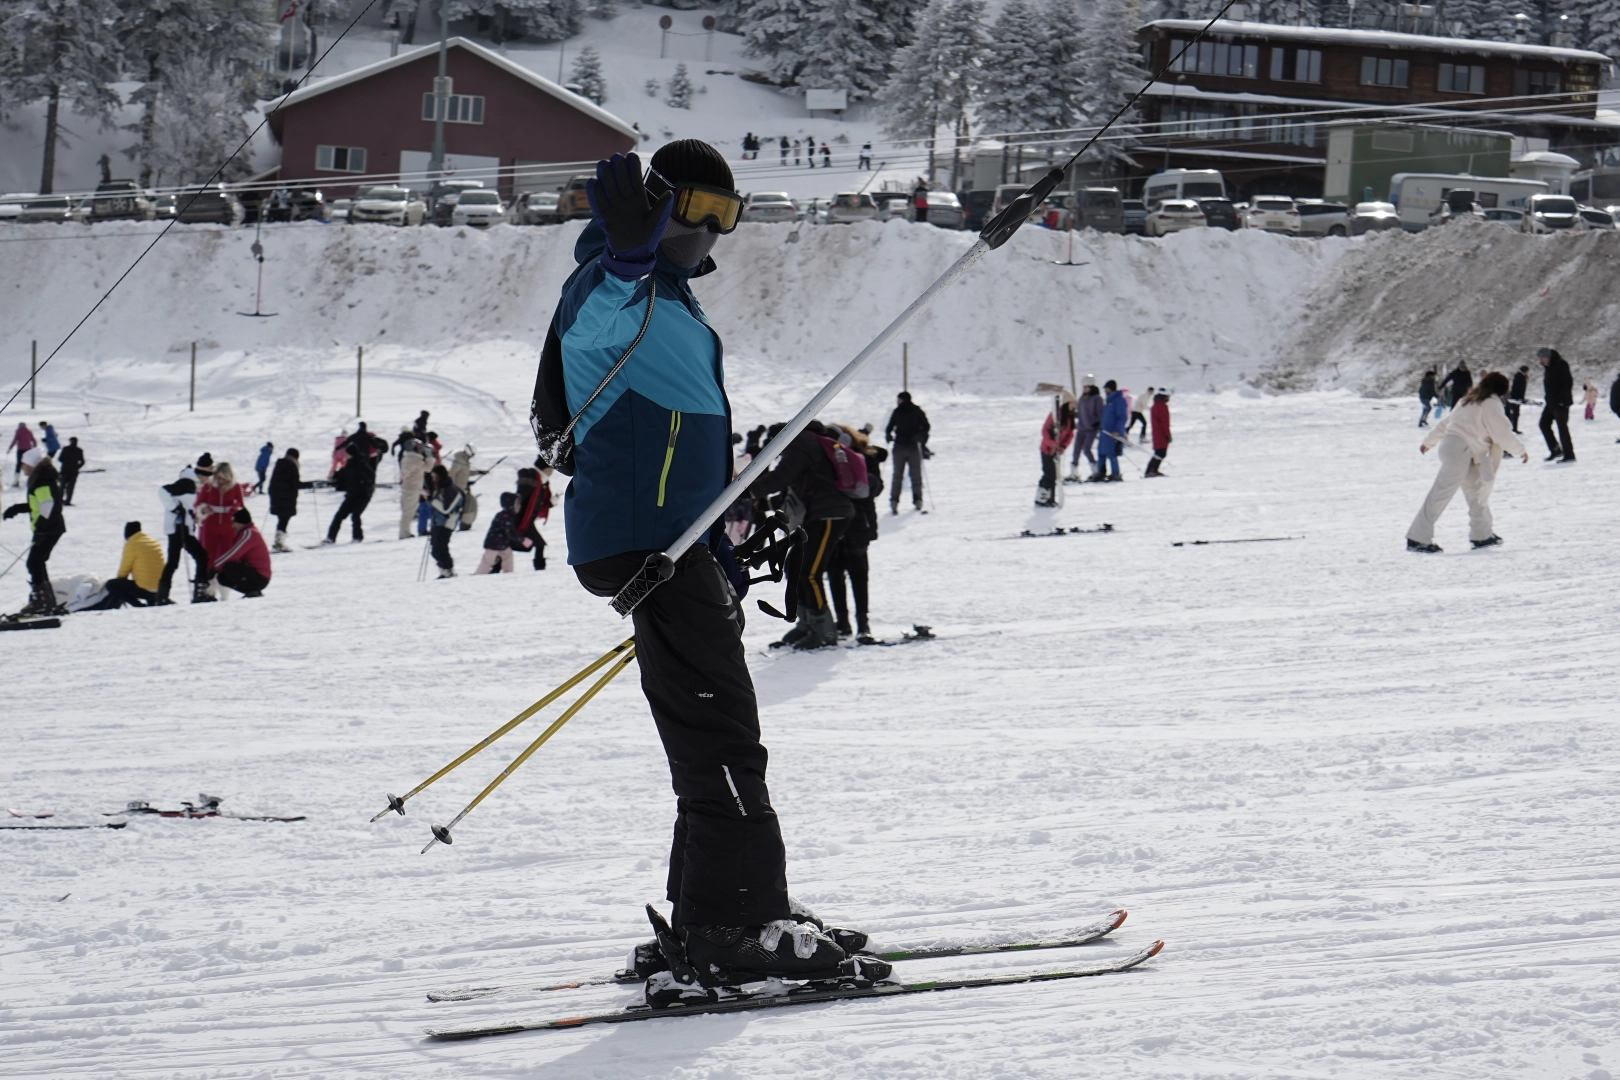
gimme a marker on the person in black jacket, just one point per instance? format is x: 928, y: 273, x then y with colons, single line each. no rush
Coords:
x: 1426, y: 394
x: 1559, y: 387
x: 1458, y: 383
x: 44, y: 509
x: 72, y: 461
x: 908, y: 431
x: 358, y: 480
x: 1521, y: 380
x: 284, y: 488
x: 849, y: 558
x: 808, y: 474
x: 1614, y: 398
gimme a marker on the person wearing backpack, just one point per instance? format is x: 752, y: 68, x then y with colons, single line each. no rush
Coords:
x: 809, y: 475
x: 849, y: 557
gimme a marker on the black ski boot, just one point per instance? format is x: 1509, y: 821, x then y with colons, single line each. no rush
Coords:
x: 41, y: 602
x: 1430, y: 548
x: 200, y: 593
x: 780, y: 949
x: 820, y: 631
x: 851, y: 941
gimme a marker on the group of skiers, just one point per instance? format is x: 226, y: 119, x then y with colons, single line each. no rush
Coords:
x: 802, y: 151
x: 1106, y: 417
x: 1558, y: 393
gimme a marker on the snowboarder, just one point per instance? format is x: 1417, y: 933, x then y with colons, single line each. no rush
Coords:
x: 414, y: 459
x: 727, y: 871
x: 140, y: 570
x: 1139, y: 409
x: 22, y: 441
x: 1112, y: 436
x: 1057, y: 432
x: 533, y: 507
x: 1558, y: 388
x: 849, y: 557
x: 261, y: 465
x: 1456, y: 384
x: 866, y: 157
x: 1589, y: 397
x: 284, y: 488
x: 1521, y: 381
x: 1471, y: 440
x: 245, y: 565
x: 500, y: 538
x: 52, y: 443
x: 1087, y: 422
x: 44, y: 510
x: 72, y: 461
x: 447, y: 503
x: 176, y: 499
x: 357, y: 480
x: 1160, y: 413
x: 908, y: 431
x: 1426, y: 394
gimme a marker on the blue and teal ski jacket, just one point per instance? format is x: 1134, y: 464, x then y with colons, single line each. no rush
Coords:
x: 654, y: 448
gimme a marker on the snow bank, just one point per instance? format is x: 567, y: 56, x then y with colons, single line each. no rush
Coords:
x: 1199, y: 309
x: 1472, y: 291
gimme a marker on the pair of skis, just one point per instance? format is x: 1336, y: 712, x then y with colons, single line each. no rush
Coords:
x: 780, y: 995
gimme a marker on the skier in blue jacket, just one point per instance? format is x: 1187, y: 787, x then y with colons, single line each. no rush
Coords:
x: 1115, y: 415
x: 651, y: 450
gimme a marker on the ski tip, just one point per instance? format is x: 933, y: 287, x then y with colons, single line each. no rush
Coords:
x: 1154, y: 949
x: 1120, y: 917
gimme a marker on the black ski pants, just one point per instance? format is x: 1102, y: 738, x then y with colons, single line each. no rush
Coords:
x: 727, y: 865
x: 1159, y: 453
x: 70, y: 480
x: 282, y: 521
x: 243, y: 578
x: 1049, y: 473
x: 1557, y: 414
x: 182, y: 540
x: 1512, y: 410
x: 354, y: 504
x: 39, y: 553
x: 538, y: 543
x: 1136, y: 418
x: 849, y: 560
x: 439, y: 541
x: 825, y: 533
x: 906, y: 456
x: 121, y: 591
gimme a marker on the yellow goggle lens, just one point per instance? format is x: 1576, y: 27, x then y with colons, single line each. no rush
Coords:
x: 694, y: 206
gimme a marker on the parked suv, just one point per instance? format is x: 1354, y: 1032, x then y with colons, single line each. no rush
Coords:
x: 441, y: 198
x: 1551, y: 213
x: 120, y: 200
x: 1273, y: 213
x: 573, y: 202
x: 1374, y: 217
x: 1099, y: 208
x: 1220, y: 213
x: 977, y: 204
x: 1320, y: 218
x: 210, y: 204
x: 770, y: 206
x: 849, y: 207
x: 1136, y: 216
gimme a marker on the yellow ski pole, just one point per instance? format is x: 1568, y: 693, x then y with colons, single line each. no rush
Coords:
x: 396, y: 803
x: 442, y: 832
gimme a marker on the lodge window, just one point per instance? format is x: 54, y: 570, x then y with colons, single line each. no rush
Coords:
x: 1296, y: 65
x: 340, y: 159
x: 1219, y: 121
x: 1528, y: 83
x: 1385, y: 71
x: 1462, y: 78
x: 459, y: 108
x: 1215, y: 58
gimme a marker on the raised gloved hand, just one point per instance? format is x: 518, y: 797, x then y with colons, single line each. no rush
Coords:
x: 618, y: 200
x: 13, y: 510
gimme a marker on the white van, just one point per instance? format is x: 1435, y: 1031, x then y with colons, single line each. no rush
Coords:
x: 1183, y: 184
x: 1417, y: 196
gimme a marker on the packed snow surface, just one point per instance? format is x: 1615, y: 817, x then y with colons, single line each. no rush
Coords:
x: 1367, y: 798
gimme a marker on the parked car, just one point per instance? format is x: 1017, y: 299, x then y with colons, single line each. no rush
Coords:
x: 383, y: 205
x: 440, y: 201
x: 1006, y: 193
x: 769, y: 206
x: 1374, y: 217
x: 54, y: 209
x: 1597, y: 219
x: 1551, y: 213
x: 11, y: 205
x: 1273, y: 213
x: 299, y: 204
x: 892, y: 204
x: 1173, y: 215
x: 1456, y: 203
x: 481, y: 209
x: 1318, y: 217
x: 338, y: 210
x: 534, y: 208
x: 944, y: 210
x: 1099, y: 208
x: 214, y: 204
x: 1505, y: 215
x: 1220, y: 213
x: 1135, y: 212
x: 976, y: 205
x: 848, y: 207
x: 163, y: 207
x: 573, y: 202
x: 120, y: 200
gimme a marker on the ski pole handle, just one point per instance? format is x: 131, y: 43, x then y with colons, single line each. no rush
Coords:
x: 661, y: 565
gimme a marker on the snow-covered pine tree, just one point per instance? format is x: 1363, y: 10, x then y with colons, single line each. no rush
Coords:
x: 1602, y: 27
x: 541, y: 20
x: 852, y: 44
x: 185, y: 49
x: 191, y: 132
x: 936, y: 76
x: 780, y: 33
x: 680, y: 88
x: 1110, y: 72
x: 587, y: 74
x: 60, y: 51
x: 1030, y: 79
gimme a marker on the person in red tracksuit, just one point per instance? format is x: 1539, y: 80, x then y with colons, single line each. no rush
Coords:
x: 1056, y: 435
x: 1160, y: 415
x: 245, y: 565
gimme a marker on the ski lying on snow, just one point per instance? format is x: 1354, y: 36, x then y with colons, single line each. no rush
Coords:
x: 1083, y: 936
x: 25, y: 622
x: 208, y: 809
x: 1029, y: 534
x: 802, y: 996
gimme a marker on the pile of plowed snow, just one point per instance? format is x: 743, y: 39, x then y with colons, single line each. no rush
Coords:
x: 1473, y: 291
x: 1198, y: 310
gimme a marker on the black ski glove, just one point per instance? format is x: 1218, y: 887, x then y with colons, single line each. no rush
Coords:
x: 618, y: 200
x: 13, y: 510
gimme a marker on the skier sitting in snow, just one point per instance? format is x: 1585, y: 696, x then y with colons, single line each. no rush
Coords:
x: 651, y: 450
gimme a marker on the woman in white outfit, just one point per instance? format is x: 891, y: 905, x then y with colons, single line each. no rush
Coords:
x: 1471, y: 440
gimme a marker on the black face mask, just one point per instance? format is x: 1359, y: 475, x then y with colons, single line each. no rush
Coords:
x: 686, y: 246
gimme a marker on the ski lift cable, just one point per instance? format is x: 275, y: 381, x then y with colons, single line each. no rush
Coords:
x: 194, y: 195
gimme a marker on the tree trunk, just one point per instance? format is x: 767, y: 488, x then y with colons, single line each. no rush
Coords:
x: 149, y: 121
x: 410, y: 24
x: 309, y: 18
x: 47, y: 172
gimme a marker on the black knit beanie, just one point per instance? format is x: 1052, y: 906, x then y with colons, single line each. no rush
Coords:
x: 693, y: 161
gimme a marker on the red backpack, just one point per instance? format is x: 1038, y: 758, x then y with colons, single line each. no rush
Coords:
x: 849, y: 468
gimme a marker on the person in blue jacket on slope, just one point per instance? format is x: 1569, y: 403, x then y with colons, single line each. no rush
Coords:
x: 1114, y: 417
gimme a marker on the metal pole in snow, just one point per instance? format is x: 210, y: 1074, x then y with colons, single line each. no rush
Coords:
x: 1074, y: 384
x: 33, y: 374
x: 359, y: 374
x: 905, y: 365
x: 193, y: 407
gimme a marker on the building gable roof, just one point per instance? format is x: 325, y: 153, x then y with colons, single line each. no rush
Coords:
x: 1386, y: 39
x: 567, y: 97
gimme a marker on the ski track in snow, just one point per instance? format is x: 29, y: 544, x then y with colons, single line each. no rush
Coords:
x: 1368, y: 798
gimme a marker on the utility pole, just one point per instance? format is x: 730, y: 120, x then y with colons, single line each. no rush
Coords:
x: 905, y: 365
x: 441, y: 96
x: 193, y: 378
x: 33, y: 374
x: 359, y: 375
x: 1074, y: 384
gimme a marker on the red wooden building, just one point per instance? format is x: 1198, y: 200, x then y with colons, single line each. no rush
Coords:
x: 374, y: 125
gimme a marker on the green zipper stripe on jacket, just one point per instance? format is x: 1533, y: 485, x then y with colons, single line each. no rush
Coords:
x: 669, y: 454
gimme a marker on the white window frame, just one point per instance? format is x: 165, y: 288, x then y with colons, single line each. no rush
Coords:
x: 459, y: 108
x: 354, y: 159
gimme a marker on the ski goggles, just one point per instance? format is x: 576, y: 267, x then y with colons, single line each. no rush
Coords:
x: 697, y: 205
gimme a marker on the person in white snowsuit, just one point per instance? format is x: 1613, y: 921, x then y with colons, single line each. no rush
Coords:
x: 414, y: 459
x: 1471, y: 439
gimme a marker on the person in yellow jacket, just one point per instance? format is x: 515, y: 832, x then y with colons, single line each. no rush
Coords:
x: 139, y: 571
